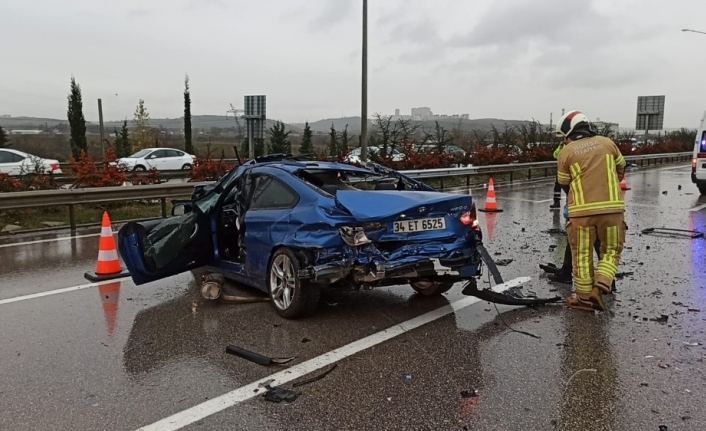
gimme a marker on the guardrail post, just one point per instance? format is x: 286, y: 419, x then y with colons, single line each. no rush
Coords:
x: 72, y: 219
x: 442, y: 183
x: 546, y: 172
x: 164, y: 207
x: 529, y: 174
x: 511, y: 172
x: 468, y: 180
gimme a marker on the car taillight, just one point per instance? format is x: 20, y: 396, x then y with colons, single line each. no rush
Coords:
x: 693, y: 166
x: 55, y: 167
x: 467, y: 219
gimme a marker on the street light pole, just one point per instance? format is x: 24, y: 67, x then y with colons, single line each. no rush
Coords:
x: 693, y: 31
x: 364, y: 95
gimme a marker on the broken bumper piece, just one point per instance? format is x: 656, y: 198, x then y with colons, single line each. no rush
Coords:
x: 411, y: 267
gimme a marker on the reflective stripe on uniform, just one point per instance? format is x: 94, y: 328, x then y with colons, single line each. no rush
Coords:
x: 563, y: 176
x: 583, y: 282
x: 608, y: 265
x: 576, y: 185
x: 620, y: 160
x: 613, y: 184
x: 576, y: 210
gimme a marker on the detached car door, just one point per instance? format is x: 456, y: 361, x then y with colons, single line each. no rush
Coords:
x: 157, y: 249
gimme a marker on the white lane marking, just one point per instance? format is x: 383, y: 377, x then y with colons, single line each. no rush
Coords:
x: 698, y: 208
x: 39, y: 241
x: 526, y: 200
x: 244, y: 393
x: 57, y: 291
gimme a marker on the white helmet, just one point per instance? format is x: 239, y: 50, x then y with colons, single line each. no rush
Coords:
x: 568, y: 122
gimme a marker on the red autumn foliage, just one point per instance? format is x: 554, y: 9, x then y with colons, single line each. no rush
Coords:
x: 484, y: 156
x: 89, y: 174
x: 9, y: 184
x: 536, y: 153
x: 208, y: 169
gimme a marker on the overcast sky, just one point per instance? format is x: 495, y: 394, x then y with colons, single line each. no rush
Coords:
x: 511, y: 59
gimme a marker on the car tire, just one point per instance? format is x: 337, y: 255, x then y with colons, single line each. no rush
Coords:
x: 291, y: 298
x: 139, y: 168
x: 186, y: 167
x: 430, y: 288
x: 702, y: 189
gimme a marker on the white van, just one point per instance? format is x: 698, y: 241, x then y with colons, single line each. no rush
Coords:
x: 698, y: 163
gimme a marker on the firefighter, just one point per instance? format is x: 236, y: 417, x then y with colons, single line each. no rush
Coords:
x: 557, y: 186
x: 590, y: 169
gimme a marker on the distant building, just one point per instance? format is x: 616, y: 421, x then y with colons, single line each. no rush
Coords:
x: 601, y: 125
x: 464, y: 116
x: 397, y: 112
x: 5, y: 116
x: 422, y: 114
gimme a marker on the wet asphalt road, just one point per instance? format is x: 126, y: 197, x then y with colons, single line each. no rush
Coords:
x: 119, y: 357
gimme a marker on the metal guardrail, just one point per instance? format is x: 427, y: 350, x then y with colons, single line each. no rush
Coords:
x: 72, y: 197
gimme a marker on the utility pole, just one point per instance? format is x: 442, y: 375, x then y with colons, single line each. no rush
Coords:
x: 364, y: 95
x: 100, y: 119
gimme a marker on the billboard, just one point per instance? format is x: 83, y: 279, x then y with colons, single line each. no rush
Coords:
x: 650, y: 113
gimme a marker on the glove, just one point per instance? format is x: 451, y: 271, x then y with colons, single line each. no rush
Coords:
x: 566, y: 212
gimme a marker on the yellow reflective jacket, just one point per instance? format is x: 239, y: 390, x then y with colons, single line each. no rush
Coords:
x: 593, y: 168
x: 558, y: 151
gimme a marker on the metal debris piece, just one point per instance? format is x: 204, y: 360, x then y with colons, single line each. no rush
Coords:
x: 555, y: 231
x: 663, y: 318
x: 504, y: 262
x: 255, y: 357
x: 694, y: 310
x: 676, y: 233
x: 278, y: 394
x: 470, y: 394
x: 315, y: 378
x: 621, y: 275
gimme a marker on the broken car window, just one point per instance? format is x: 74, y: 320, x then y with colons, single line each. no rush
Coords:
x: 271, y: 193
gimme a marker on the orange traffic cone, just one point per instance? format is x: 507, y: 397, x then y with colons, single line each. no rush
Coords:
x: 491, y: 206
x: 624, y: 184
x: 108, y: 266
x: 110, y: 294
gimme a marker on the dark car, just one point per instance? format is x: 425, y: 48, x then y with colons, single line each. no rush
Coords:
x: 292, y: 228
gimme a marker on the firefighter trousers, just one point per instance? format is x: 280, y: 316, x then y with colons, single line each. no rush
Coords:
x: 582, y: 232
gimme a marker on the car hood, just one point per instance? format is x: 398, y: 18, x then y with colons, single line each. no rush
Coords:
x: 383, y: 205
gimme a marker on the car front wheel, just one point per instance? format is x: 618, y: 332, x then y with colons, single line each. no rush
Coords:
x: 290, y: 297
x: 430, y: 288
x: 140, y: 168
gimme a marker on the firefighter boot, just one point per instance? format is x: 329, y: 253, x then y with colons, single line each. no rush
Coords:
x: 556, y: 205
x: 586, y: 301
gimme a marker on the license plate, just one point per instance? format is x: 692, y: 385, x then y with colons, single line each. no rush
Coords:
x: 419, y: 225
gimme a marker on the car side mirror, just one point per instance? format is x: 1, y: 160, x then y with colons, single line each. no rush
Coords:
x: 181, y: 208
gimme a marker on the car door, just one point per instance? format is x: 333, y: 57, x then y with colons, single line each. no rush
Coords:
x: 174, y: 160
x: 156, y: 160
x: 266, y: 221
x: 157, y: 249
x: 11, y: 163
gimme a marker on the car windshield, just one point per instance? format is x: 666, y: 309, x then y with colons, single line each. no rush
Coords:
x: 139, y: 154
x: 208, y: 202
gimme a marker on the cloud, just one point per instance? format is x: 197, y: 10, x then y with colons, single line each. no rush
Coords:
x: 202, y: 4
x: 138, y: 13
x: 334, y: 11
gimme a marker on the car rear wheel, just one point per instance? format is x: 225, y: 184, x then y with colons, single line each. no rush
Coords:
x: 430, y: 288
x: 186, y: 167
x: 702, y: 189
x: 290, y: 297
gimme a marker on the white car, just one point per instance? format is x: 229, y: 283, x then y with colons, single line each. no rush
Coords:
x: 13, y: 162
x: 698, y: 162
x: 162, y: 159
x: 354, y: 156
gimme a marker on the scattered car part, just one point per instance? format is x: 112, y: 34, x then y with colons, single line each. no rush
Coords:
x: 256, y: 357
x: 278, y: 394
x: 212, y: 286
x: 677, y: 233
x: 315, y: 378
x: 430, y: 288
x: 471, y: 288
x: 470, y: 394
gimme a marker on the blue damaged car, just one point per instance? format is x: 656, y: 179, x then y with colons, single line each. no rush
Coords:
x: 292, y: 228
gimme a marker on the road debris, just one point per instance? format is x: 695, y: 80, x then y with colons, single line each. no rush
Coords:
x: 694, y: 310
x: 663, y: 318
x: 504, y: 262
x: 315, y: 378
x: 555, y: 231
x: 691, y: 344
x: 673, y: 233
x: 255, y: 357
x: 278, y: 394
x: 470, y: 393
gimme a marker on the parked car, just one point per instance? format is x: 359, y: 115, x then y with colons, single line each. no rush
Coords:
x: 393, y: 154
x: 293, y: 228
x: 13, y: 162
x: 162, y: 159
x: 698, y: 162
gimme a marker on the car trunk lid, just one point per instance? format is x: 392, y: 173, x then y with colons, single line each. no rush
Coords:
x: 384, y: 206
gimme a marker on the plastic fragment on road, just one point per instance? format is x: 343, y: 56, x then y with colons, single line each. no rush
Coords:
x: 675, y: 233
x: 470, y: 394
x: 279, y: 394
x: 255, y: 357
x: 316, y: 378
